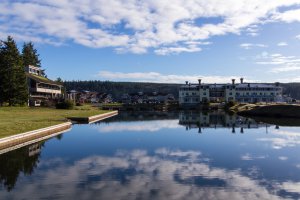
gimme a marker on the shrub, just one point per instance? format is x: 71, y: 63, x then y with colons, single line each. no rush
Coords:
x: 229, y: 104
x: 79, y: 104
x: 65, y: 105
x: 48, y: 103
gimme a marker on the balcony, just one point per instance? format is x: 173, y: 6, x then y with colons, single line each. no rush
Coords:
x: 46, y: 90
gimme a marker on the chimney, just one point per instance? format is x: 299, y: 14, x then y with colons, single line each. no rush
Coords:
x: 233, y: 81
x: 242, y: 80
x: 199, y: 81
x: 186, y: 82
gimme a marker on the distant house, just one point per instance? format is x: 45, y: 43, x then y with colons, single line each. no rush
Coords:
x: 158, y: 97
x: 80, y: 96
x: 72, y: 95
x: 86, y: 96
x: 149, y: 98
x: 126, y: 99
x: 105, y: 98
x: 41, y: 88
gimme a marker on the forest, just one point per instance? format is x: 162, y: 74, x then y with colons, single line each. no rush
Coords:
x: 117, y: 89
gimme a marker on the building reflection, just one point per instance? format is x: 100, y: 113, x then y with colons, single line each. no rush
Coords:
x: 201, y: 121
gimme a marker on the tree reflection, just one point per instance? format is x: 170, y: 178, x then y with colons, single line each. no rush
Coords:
x: 23, y: 160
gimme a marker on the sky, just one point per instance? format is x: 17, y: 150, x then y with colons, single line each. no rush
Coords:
x: 160, y: 40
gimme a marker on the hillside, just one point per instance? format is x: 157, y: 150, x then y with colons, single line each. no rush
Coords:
x: 117, y: 89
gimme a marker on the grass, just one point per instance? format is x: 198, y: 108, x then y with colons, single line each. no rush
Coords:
x: 15, y: 120
x: 112, y: 104
x: 268, y: 110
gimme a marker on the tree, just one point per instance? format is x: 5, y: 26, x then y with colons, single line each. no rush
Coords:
x: 59, y: 80
x: 30, y: 55
x: 13, y: 83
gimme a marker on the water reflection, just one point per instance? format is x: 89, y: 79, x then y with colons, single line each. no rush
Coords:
x: 137, y: 174
x: 218, y: 119
x: 134, y: 163
x: 23, y: 160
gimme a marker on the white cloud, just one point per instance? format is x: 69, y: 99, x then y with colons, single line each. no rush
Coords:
x: 138, y: 25
x: 283, y: 63
x: 281, y: 44
x: 288, y: 16
x: 176, y: 50
x: 289, y: 79
x: 161, y: 78
x: 298, y: 37
x: 250, y: 46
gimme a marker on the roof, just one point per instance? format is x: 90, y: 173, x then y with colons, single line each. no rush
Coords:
x: 257, y: 85
x: 33, y: 67
x: 238, y: 85
x: 42, y: 79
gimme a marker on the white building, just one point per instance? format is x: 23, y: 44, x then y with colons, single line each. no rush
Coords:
x: 41, y: 88
x: 193, y: 94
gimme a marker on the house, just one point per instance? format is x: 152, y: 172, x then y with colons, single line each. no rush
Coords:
x: 149, y: 98
x: 83, y: 96
x: 41, y: 89
x: 193, y: 94
x: 105, y: 98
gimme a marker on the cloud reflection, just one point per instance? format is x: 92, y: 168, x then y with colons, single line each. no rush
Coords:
x: 138, y: 174
x: 136, y: 126
x: 282, y: 138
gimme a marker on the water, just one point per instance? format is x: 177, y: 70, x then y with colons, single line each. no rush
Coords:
x: 159, y: 156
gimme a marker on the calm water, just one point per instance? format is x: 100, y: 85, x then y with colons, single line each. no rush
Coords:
x: 159, y: 156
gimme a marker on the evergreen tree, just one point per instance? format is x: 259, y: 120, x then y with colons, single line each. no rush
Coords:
x: 30, y: 55
x: 2, y: 76
x: 13, y: 86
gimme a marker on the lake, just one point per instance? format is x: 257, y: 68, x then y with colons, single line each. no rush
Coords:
x: 156, y: 155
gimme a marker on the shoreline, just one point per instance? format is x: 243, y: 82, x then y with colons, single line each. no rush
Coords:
x: 93, y: 118
x: 19, y: 140
x: 275, y: 110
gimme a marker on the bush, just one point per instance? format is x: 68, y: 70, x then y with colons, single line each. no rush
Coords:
x: 48, y: 103
x: 65, y: 105
x: 79, y: 104
x: 229, y: 104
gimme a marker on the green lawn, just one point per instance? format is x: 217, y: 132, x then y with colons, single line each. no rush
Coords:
x: 15, y: 120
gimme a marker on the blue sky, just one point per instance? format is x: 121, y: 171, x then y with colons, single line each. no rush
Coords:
x: 155, y: 41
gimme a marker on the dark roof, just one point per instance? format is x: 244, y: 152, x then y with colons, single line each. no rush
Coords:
x: 42, y: 79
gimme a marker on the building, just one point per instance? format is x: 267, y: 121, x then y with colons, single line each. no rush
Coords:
x: 41, y: 88
x: 147, y: 98
x: 194, y: 94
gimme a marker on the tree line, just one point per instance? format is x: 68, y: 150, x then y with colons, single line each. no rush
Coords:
x: 13, y: 81
x: 117, y: 89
